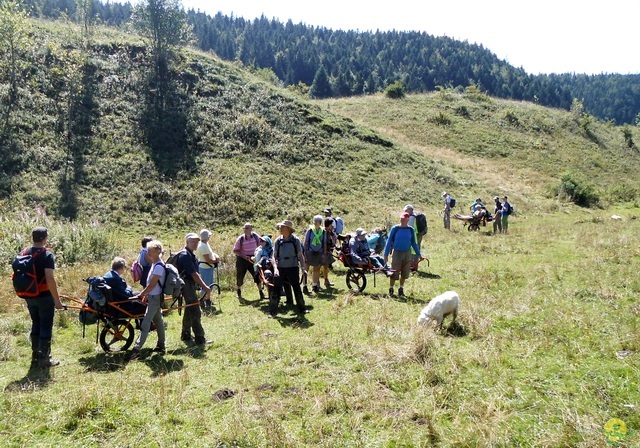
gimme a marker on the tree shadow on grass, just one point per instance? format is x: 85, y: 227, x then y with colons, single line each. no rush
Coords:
x: 35, y: 379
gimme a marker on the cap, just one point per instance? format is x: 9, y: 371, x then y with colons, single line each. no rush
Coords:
x: 192, y: 236
x: 404, y: 215
x: 327, y: 210
x: 205, y: 234
x: 496, y: 198
x: 408, y: 207
x: 360, y: 231
x: 444, y: 193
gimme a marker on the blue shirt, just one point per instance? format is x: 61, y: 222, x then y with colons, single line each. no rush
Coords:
x: 401, y: 239
x: 119, y: 288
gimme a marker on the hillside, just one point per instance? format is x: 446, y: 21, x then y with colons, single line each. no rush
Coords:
x: 230, y: 147
x: 233, y: 147
x: 506, y: 146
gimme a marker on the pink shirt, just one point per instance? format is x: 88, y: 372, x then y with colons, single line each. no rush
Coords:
x: 247, y: 246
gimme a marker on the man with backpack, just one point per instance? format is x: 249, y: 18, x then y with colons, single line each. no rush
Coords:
x: 244, y: 248
x: 449, y: 204
x: 187, y: 264
x: 287, y: 255
x: 38, y: 264
x: 401, y: 240
x: 507, y: 209
x: 417, y: 221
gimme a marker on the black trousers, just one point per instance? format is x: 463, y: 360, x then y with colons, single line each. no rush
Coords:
x: 289, y: 278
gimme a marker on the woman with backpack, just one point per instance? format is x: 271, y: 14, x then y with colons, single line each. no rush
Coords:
x: 154, y: 296
x: 315, y: 249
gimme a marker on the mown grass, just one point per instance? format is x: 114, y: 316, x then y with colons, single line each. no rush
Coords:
x: 537, y: 358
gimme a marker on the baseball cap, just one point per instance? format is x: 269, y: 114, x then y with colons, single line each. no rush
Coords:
x: 192, y: 236
x: 404, y: 215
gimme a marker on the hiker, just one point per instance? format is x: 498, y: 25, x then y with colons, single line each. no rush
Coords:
x: 506, y: 211
x: 42, y: 307
x: 263, y: 253
x: 418, y: 222
x: 401, y: 240
x: 338, y: 222
x: 315, y: 249
x: 361, y: 252
x: 288, y: 260
x: 144, y: 260
x: 446, y: 211
x: 332, y: 239
x: 154, y: 297
x: 207, y: 258
x: 477, y: 205
x: 497, y: 215
x: 244, y: 248
x: 114, y: 278
x: 187, y: 265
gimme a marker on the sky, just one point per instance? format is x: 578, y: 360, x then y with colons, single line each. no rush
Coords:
x: 541, y: 36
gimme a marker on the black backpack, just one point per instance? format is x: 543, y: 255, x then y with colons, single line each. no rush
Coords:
x: 421, y: 224
x: 452, y: 202
x: 25, y: 279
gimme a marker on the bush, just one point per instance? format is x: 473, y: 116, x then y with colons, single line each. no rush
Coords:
x: 575, y: 188
x: 395, y: 90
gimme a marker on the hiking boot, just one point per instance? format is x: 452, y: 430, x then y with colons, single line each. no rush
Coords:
x: 262, y: 296
x: 203, y: 341
x: 47, y: 361
x: 391, y: 291
x: 160, y: 349
x: 305, y: 290
x: 316, y: 288
x: 328, y: 284
x: 184, y: 337
x: 401, y: 291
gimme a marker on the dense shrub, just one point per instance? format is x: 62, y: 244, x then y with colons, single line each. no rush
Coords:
x: 395, y: 90
x: 577, y: 189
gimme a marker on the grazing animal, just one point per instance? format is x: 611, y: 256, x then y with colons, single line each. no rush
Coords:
x: 440, y: 307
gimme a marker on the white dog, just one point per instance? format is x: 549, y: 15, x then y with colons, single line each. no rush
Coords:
x: 440, y: 307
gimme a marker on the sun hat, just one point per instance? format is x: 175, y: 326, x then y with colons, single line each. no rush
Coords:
x: 205, y: 234
x: 192, y: 236
x: 285, y: 223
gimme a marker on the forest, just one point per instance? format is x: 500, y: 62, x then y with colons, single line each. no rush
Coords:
x: 336, y: 63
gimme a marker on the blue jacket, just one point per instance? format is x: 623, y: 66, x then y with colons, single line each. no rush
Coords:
x: 119, y: 288
x: 401, y: 240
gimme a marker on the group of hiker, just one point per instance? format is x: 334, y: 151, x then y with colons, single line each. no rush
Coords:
x: 501, y: 212
x: 282, y: 260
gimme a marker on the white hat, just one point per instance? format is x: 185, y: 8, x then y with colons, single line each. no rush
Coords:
x: 408, y: 207
x: 205, y: 234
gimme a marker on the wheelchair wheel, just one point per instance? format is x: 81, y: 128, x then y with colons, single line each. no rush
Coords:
x: 473, y: 227
x: 117, y: 336
x: 356, y: 281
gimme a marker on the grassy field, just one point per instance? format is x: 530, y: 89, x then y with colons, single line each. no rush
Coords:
x: 545, y: 354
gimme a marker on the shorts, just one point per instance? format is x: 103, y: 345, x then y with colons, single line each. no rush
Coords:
x: 401, y: 261
x: 314, y: 259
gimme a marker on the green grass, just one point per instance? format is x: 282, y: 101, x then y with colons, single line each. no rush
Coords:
x: 533, y: 362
